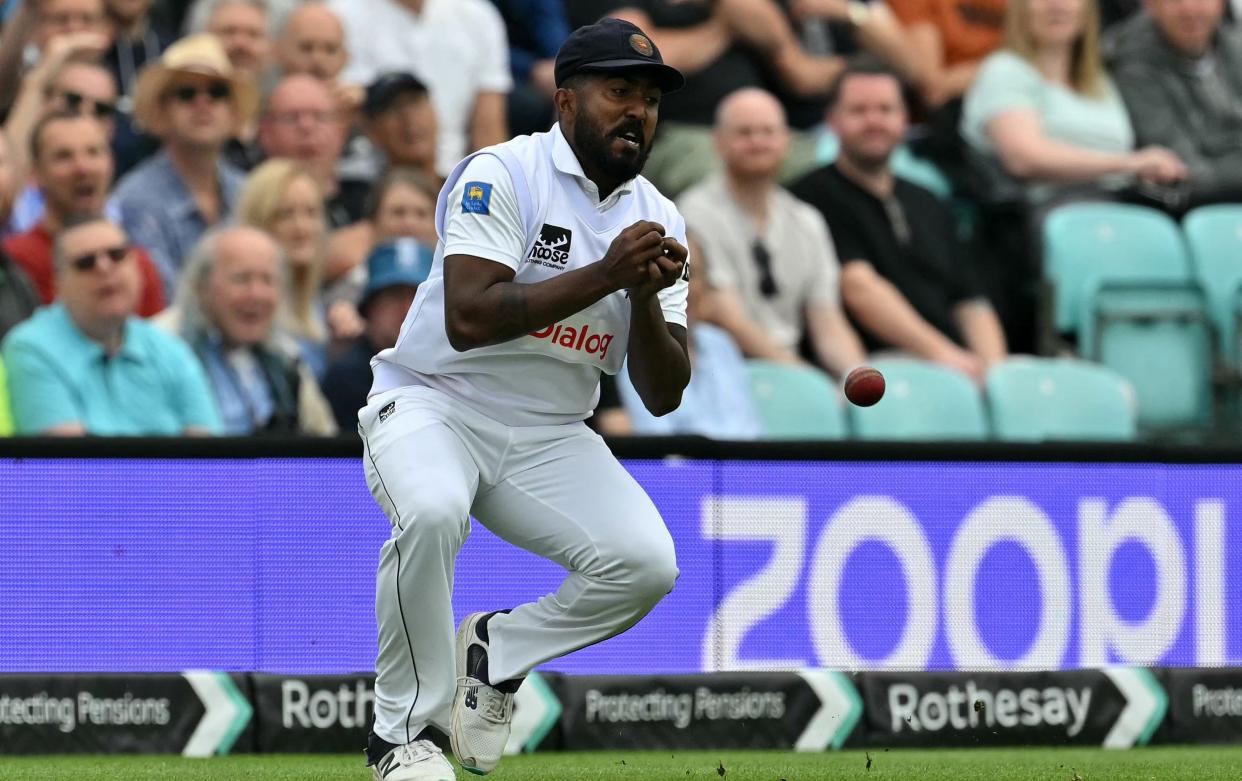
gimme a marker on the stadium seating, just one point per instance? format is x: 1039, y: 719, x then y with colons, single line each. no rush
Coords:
x: 1035, y: 399
x: 1214, y: 235
x: 796, y: 402
x: 1122, y: 281
x: 923, y: 401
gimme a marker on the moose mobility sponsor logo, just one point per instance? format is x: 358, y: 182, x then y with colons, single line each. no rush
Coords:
x: 551, y: 249
x: 577, y: 338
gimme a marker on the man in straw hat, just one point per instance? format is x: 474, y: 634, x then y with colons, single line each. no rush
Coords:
x: 194, y: 102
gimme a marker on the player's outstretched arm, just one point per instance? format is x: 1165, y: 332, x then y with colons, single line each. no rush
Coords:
x: 659, y: 362
x: 484, y: 306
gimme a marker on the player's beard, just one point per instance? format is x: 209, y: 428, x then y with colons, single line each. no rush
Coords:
x: 595, y: 144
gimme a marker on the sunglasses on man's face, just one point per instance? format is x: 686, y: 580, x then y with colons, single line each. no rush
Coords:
x: 80, y: 104
x: 89, y: 260
x: 217, y: 91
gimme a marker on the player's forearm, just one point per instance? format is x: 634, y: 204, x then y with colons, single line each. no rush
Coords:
x: 658, y: 363
x: 508, y: 310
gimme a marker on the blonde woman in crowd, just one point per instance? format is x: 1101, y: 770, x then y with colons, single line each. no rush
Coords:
x: 284, y: 199
x: 1044, y: 108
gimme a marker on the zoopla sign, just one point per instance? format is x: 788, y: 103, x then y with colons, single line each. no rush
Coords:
x: 975, y: 567
x: 268, y: 564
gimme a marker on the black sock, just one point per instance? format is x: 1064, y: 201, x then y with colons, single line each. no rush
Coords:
x: 478, y: 663
x: 377, y: 748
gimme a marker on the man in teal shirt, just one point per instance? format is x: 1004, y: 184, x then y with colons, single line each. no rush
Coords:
x: 87, y: 365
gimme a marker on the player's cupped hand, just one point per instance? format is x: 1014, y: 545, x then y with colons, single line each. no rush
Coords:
x: 628, y: 262
x: 662, y: 272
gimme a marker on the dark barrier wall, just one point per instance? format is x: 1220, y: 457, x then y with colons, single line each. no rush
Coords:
x: 233, y: 556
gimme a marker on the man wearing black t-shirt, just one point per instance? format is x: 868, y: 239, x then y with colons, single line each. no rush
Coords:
x: 906, y: 279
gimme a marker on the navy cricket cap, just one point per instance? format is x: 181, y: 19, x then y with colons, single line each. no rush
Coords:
x: 614, y: 45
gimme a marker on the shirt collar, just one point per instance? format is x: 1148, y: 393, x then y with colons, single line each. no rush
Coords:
x: 180, y: 201
x: 94, y: 351
x: 566, y: 161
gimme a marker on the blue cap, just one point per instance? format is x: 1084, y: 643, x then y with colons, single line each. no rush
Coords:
x: 399, y: 262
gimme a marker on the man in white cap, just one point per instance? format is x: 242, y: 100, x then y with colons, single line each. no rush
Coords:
x: 556, y: 262
x: 194, y: 101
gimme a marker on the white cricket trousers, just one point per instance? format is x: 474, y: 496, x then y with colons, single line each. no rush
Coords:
x: 556, y: 491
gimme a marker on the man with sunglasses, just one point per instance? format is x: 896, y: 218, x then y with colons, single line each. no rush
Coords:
x: 194, y: 101
x: 770, y: 256
x: 74, y: 86
x: 88, y: 365
x: 72, y: 169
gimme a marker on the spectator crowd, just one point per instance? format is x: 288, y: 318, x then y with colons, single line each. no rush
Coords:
x: 213, y: 213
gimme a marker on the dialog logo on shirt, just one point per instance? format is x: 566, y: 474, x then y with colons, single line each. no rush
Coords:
x: 477, y: 198
x: 551, y: 249
x: 578, y: 339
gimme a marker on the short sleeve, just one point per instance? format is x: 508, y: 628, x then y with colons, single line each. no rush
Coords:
x: 824, y: 284
x: 482, y: 217
x: 700, y: 220
x: 673, y: 297
x: 191, y: 392
x: 1004, y: 83
x: 40, y: 394
x: 493, y: 75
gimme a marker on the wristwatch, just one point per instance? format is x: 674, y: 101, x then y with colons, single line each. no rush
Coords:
x: 858, y: 12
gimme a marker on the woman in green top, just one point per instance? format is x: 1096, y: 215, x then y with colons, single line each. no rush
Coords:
x: 1044, y: 109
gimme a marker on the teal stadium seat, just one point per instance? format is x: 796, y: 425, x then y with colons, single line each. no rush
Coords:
x: 1037, y: 399
x: 922, y: 401
x: 796, y: 402
x: 1214, y: 235
x: 1123, y: 282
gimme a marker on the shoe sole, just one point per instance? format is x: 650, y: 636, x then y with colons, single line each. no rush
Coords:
x: 464, y: 633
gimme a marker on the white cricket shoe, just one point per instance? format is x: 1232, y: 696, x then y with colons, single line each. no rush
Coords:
x: 482, y: 713
x: 421, y: 760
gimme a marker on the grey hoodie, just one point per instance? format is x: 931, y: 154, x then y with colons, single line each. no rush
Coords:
x: 1193, y: 107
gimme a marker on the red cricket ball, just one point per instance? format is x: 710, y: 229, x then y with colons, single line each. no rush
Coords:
x: 864, y: 386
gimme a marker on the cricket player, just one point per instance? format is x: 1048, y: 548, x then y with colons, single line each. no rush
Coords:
x: 556, y: 260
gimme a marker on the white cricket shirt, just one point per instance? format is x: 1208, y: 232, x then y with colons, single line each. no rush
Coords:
x: 527, y: 204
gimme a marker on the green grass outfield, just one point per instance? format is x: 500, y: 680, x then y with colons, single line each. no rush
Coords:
x: 1027, y: 764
